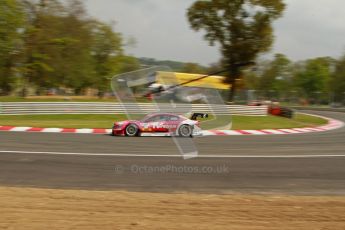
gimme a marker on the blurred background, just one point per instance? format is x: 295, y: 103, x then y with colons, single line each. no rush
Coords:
x: 55, y: 49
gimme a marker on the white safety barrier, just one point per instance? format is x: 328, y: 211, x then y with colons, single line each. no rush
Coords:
x: 29, y: 108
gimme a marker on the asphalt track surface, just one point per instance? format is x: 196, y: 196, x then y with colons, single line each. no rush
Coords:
x: 312, y: 163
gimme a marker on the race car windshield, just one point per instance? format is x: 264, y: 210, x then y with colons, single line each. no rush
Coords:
x: 161, y: 117
x: 146, y: 118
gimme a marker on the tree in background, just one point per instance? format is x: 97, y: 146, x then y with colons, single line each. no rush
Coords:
x: 193, y: 68
x: 58, y: 55
x: 47, y: 47
x: 174, y: 65
x: 55, y: 44
x: 125, y: 63
x: 242, y: 28
x: 251, y: 80
x: 11, y: 24
x: 107, y: 51
x: 106, y: 46
x: 313, y: 79
x: 276, y: 77
x: 337, y: 82
x: 74, y: 44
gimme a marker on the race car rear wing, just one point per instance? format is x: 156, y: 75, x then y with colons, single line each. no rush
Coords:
x: 195, y: 116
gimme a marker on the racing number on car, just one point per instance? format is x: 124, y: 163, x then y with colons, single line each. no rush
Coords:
x: 158, y: 127
x: 151, y: 126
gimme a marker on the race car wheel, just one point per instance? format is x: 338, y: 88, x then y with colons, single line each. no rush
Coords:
x: 132, y: 130
x: 185, y: 131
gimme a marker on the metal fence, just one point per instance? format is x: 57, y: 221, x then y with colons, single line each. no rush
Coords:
x: 30, y: 108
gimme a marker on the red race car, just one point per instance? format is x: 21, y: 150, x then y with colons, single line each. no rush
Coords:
x: 160, y: 124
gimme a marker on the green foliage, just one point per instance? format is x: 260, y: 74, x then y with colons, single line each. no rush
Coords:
x: 277, y: 76
x: 193, y: 68
x: 337, y: 81
x: 183, y: 67
x: 11, y: 20
x: 123, y: 64
x: 251, y: 80
x: 174, y: 65
x: 242, y: 28
x: 57, y: 45
x: 107, y: 52
x: 314, y: 77
x: 316, y: 80
x: 11, y: 23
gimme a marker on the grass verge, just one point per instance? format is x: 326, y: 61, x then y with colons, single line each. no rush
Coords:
x: 106, y: 121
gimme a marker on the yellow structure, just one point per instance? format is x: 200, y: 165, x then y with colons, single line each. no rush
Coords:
x: 171, y: 78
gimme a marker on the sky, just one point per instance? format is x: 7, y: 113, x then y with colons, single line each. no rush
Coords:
x: 160, y: 28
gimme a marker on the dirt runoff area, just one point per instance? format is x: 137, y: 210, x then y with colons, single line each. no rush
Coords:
x: 24, y: 208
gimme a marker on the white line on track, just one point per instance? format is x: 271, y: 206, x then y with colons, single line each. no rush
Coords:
x: 173, y: 156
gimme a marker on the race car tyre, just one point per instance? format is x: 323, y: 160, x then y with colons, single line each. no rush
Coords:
x: 287, y: 112
x: 131, y: 130
x: 112, y: 133
x: 185, y: 131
